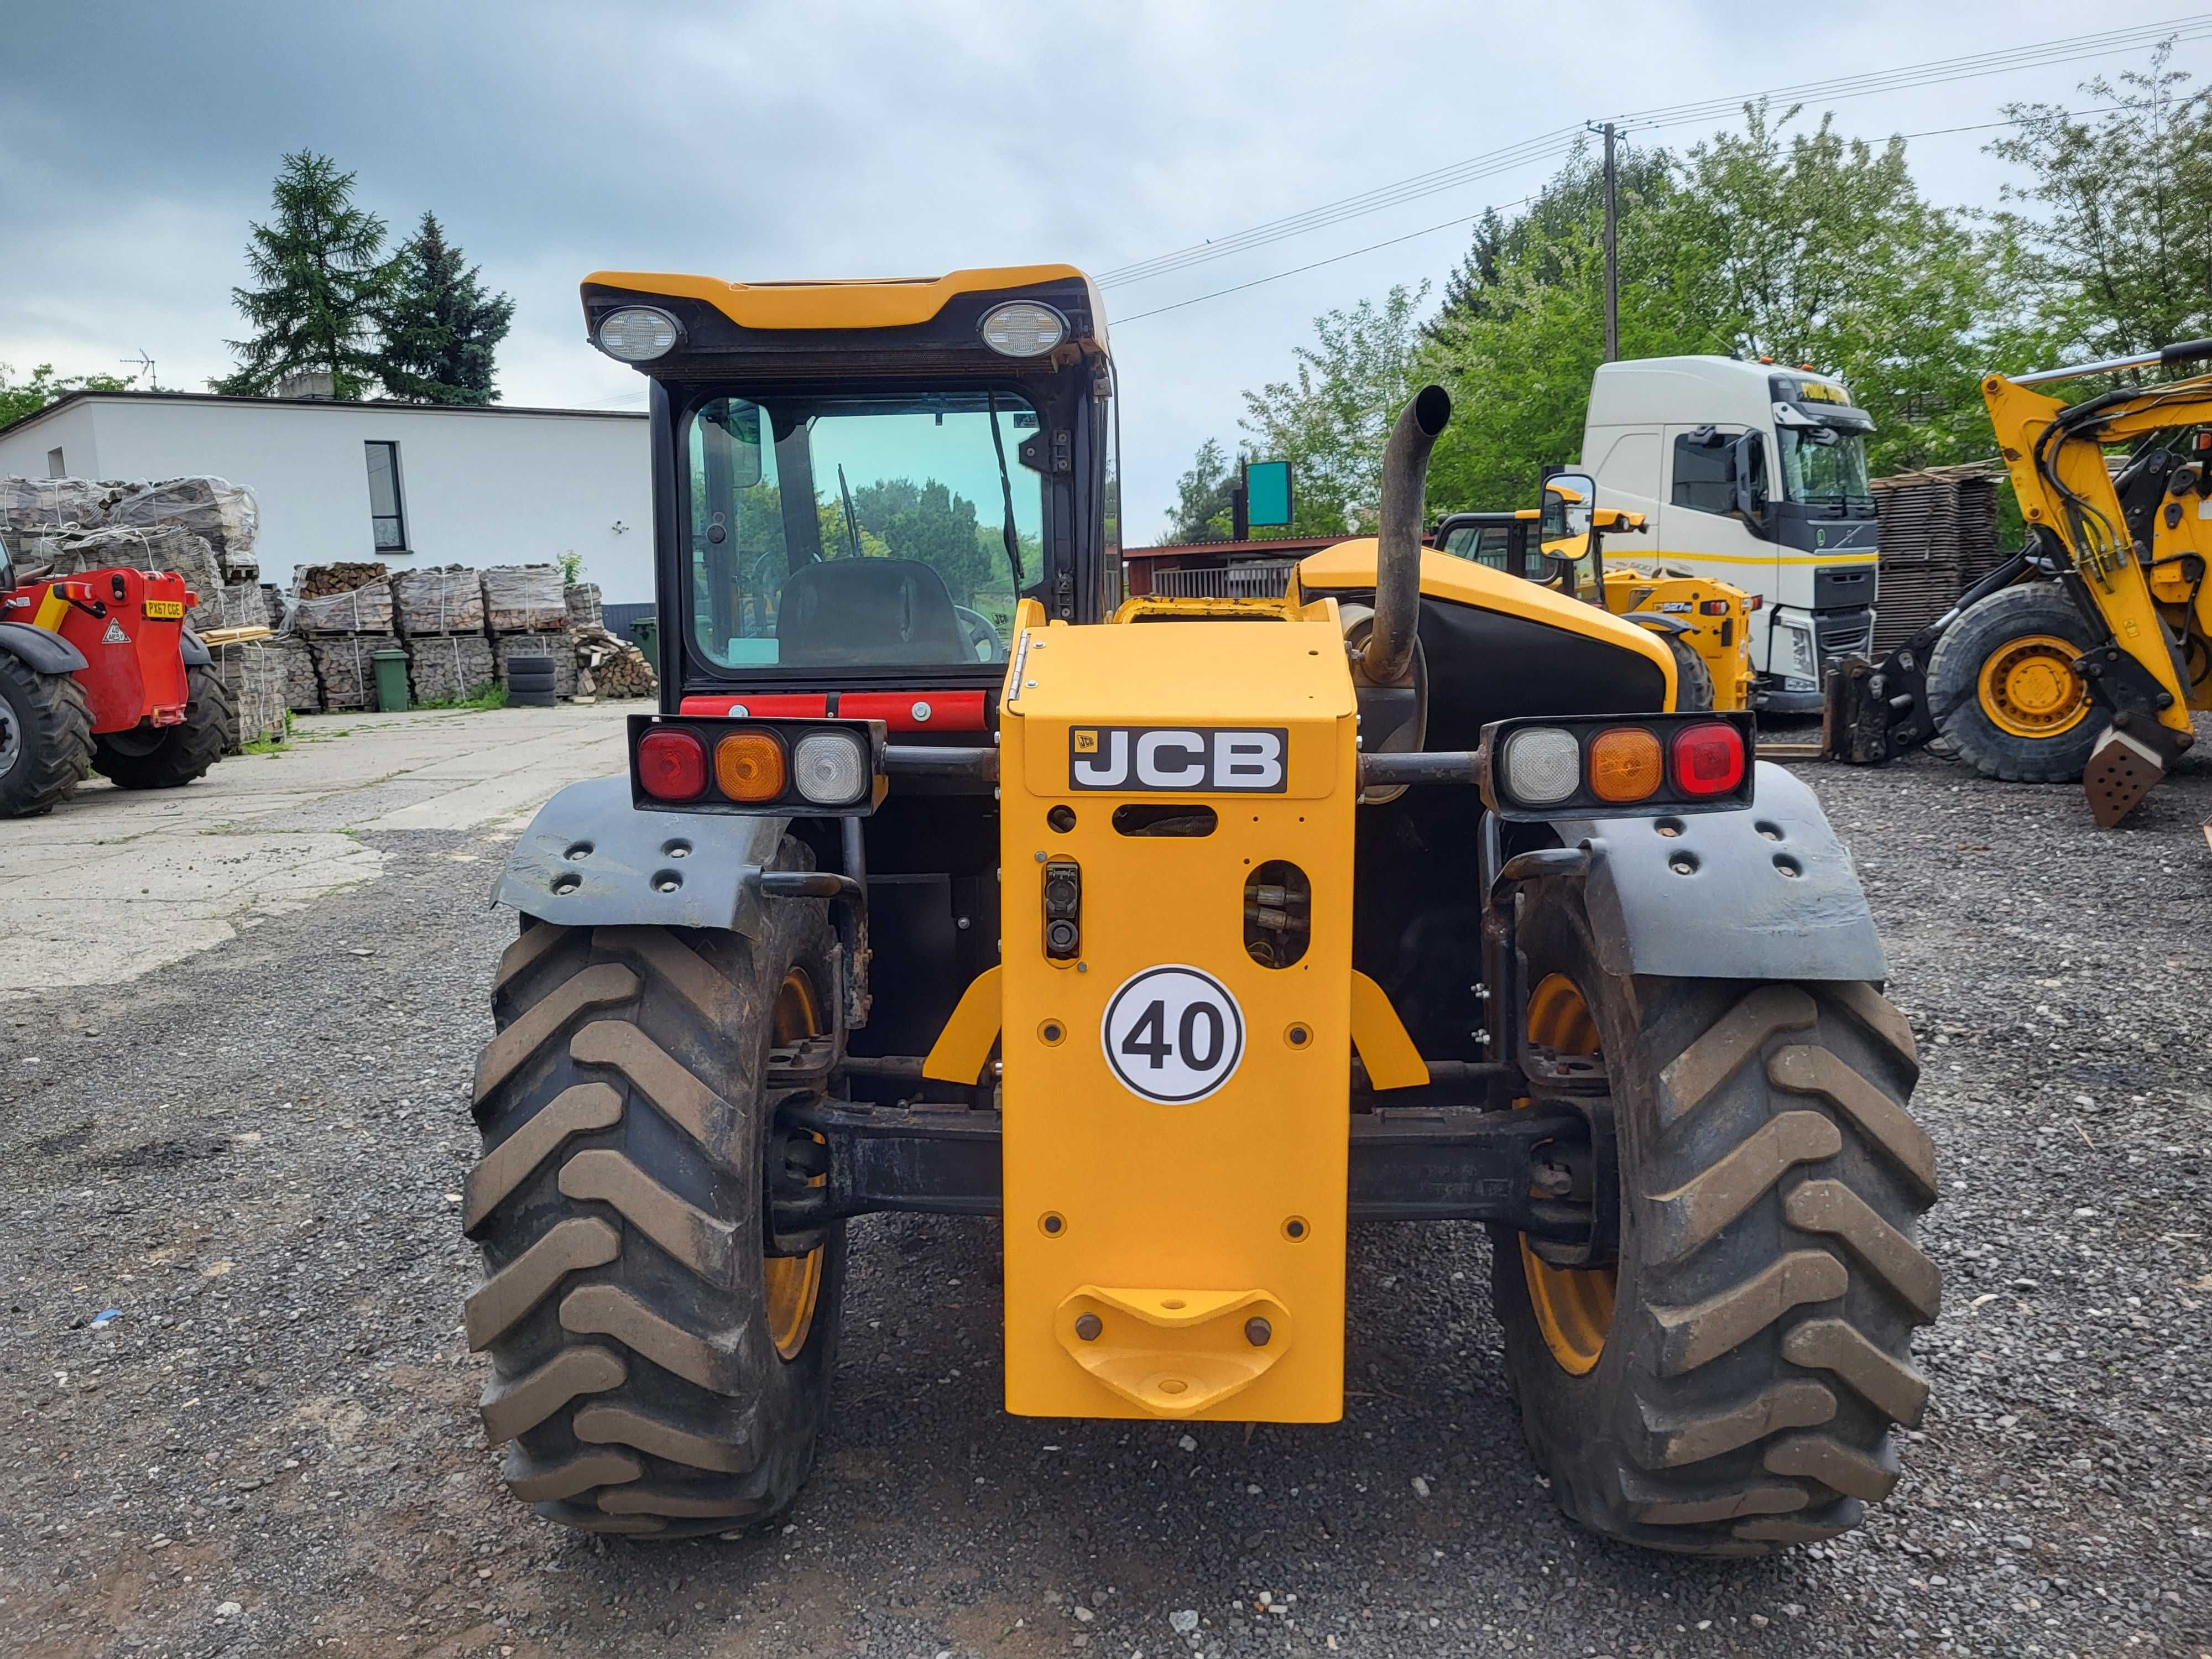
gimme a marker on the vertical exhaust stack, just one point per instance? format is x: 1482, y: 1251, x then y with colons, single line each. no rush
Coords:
x: 1387, y: 658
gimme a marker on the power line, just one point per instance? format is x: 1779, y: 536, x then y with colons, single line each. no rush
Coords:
x: 1500, y: 207
x: 1557, y: 142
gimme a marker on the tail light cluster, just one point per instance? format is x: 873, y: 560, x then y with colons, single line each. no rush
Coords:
x: 697, y: 764
x: 1622, y: 766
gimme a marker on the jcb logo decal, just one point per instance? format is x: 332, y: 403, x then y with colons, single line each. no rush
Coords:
x: 1239, y: 759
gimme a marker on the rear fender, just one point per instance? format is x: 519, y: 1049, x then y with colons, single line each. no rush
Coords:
x: 1766, y: 893
x: 195, y: 653
x: 590, y: 859
x: 49, y: 653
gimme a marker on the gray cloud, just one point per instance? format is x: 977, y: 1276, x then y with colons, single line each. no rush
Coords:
x: 834, y: 138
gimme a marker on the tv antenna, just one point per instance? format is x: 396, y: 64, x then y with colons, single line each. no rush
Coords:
x: 145, y: 367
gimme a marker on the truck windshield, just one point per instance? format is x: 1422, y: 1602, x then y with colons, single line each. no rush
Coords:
x: 1824, y: 466
x: 860, y: 532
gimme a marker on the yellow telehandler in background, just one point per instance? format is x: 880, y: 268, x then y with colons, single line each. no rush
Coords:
x: 2082, y: 655
x: 1180, y: 936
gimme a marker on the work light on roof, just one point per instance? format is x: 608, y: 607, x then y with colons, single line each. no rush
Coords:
x: 1022, y: 328
x: 637, y: 334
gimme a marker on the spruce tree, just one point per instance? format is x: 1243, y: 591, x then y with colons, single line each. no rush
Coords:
x: 323, y: 277
x: 440, y: 328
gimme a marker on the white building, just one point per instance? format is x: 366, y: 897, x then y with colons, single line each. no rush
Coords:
x: 413, y: 484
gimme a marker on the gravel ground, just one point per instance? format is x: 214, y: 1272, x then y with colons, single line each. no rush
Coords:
x: 255, y: 1158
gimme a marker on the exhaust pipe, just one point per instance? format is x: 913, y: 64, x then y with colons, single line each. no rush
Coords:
x: 1388, y: 659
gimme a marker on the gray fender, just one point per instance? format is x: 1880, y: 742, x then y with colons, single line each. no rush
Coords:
x: 50, y: 653
x: 590, y: 859
x: 195, y: 653
x: 1770, y: 893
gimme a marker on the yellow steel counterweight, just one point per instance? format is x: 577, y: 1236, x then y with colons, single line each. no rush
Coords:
x: 1176, y: 1063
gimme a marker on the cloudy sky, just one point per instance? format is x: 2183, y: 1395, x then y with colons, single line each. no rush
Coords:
x: 828, y: 138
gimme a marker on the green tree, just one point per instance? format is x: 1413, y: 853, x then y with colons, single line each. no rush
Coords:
x: 440, y: 329
x: 20, y: 399
x: 1823, y: 251
x: 322, y: 277
x: 1202, y: 509
x: 1330, y: 420
x: 2116, y: 253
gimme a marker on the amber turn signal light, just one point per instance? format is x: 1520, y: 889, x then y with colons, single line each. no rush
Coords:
x: 749, y: 766
x: 1625, y: 764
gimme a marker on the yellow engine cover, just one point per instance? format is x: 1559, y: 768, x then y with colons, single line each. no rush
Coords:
x: 1175, y: 1112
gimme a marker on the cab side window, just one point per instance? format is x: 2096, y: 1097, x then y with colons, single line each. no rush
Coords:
x: 1701, y: 473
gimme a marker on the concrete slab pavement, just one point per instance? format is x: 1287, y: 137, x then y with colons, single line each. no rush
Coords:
x: 116, y: 883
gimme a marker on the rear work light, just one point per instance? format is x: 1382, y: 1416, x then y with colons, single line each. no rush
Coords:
x: 637, y: 334
x: 671, y: 766
x: 1022, y: 328
x: 1708, y: 759
x: 797, y: 766
x: 1539, y: 768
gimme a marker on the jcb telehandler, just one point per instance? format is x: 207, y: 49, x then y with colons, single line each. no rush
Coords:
x: 1179, y: 937
x: 2082, y: 655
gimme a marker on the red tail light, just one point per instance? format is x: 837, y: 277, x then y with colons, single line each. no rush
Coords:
x: 671, y: 766
x: 1712, y: 607
x: 1708, y: 759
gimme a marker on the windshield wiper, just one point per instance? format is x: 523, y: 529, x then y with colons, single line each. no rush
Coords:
x: 1006, y: 491
x: 852, y: 525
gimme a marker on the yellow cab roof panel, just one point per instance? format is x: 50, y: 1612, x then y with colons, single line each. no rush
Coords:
x: 889, y: 302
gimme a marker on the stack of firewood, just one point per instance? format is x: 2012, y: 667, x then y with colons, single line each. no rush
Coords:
x: 607, y: 666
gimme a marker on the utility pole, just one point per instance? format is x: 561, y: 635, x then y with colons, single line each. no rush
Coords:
x: 1612, y: 249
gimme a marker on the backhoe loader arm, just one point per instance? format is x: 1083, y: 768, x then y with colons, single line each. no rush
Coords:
x: 2054, y: 453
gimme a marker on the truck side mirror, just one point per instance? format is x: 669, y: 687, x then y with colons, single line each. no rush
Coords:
x: 1747, y: 478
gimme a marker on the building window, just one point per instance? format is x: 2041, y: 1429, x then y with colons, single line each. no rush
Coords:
x: 386, y: 514
x: 56, y: 466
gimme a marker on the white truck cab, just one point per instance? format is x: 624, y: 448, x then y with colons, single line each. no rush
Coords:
x: 1756, y: 475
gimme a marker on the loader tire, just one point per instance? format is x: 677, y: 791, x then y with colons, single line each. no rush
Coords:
x: 1731, y: 1385
x: 1694, y: 681
x: 46, y: 738
x: 2002, y: 690
x: 659, y: 1373
x: 171, y: 757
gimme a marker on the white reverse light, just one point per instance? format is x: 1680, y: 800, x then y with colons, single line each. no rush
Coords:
x: 830, y: 768
x: 637, y: 334
x: 1543, y: 764
x: 1022, y: 328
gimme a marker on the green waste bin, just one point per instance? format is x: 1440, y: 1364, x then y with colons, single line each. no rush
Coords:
x: 392, y: 681
x: 645, y: 630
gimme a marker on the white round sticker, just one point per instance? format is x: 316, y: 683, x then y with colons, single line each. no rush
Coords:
x: 1174, y: 1035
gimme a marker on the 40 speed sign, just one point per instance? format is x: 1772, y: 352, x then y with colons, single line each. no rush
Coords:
x: 1173, y: 1034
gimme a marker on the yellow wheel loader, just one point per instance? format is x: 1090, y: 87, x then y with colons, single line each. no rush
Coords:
x: 1180, y: 939
x: 1705, y: 622
x: 2081, y: 656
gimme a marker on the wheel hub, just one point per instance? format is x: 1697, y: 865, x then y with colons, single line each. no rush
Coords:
x: 794, y: 1282
x: 2028, y: 687
x: 1573, y: 1306
x: 11, y: 740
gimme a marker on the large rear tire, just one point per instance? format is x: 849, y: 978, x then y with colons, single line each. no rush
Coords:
x: 46, y: 738
x: 1694, y: 681
x: 171, y: 757
x: 2004, y: 692
x: 659, y: 1372
x: 1729, y: 1384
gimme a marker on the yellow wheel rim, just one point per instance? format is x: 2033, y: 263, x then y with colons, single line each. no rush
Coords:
x: 1573, y: 1306
x: 794, y: 1281
x: 2029, y: 689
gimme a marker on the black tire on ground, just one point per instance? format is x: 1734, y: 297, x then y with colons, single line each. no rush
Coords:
x: 531, y: 696
x: 520, y: 670
x: 170, y: 756
x: 1767, y: 1284
x: 636, y: 1361
x: 1954, y: 693
x: 46, y: 738
x: 1694, y: 681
